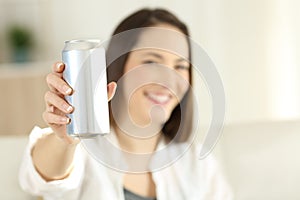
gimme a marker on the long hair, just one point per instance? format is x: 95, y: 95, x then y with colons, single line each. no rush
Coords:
x: 180, y: 122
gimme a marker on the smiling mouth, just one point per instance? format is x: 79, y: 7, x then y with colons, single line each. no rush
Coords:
x: 158, y: 98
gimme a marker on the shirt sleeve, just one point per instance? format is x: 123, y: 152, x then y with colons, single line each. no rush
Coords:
x: 31, y: 181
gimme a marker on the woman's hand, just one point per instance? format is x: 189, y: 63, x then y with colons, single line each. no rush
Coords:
x: 57, y: 107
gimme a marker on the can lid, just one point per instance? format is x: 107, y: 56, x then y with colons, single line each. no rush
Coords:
x: 81, y: 44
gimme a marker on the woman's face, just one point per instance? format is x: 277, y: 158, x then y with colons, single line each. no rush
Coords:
x: 167, y: 81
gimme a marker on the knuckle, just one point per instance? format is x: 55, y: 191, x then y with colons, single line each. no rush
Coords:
x: 49, y: 77
x: 45, y: 117
x: 47, y: 96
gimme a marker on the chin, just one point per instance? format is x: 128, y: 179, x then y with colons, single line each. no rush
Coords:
x: 159, y: 114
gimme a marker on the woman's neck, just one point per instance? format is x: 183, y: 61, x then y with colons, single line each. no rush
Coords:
x: 136, y: 144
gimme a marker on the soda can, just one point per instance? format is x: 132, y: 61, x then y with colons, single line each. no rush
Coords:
x: 85, y: 72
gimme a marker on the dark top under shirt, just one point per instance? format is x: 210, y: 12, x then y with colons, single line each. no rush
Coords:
x: 132, y: 196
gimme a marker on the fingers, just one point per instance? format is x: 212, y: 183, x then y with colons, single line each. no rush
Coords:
x: 52, y: 118
x: 56, y: 106
x: 56, y: 83
x: 52, y: 99
x: 111, y: 90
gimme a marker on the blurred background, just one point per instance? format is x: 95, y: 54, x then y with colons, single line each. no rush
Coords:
x: 254, y: 44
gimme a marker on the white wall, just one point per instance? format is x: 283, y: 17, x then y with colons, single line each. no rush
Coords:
x: 254, y: 44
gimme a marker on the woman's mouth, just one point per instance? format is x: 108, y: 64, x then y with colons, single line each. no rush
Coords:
x: 158, y: 98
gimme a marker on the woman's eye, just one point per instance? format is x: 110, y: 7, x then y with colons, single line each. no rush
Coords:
x: 149, y: 62
x: 182, y: 67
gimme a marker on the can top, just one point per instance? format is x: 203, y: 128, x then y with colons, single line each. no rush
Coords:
x: 81, y: 44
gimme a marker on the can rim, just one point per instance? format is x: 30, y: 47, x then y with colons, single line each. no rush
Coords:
x: 81, y: 44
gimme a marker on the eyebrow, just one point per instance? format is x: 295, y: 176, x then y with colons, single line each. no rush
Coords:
x: 154, y: 54
x: 161, y: 57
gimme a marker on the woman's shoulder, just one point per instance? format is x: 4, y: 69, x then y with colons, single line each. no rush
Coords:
x: 203, y: 172
x: 191, y: 159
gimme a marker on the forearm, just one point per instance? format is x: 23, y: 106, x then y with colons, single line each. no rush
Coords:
x: 52, y: 157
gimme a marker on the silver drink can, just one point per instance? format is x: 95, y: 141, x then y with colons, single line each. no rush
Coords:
x: 85, y: 72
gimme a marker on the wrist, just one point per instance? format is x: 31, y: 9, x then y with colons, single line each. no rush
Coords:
x: 67, y: 140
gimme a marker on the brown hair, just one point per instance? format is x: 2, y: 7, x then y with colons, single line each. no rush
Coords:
x: 148, y: 18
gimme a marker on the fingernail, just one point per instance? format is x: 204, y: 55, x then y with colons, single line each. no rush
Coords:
x: 59, y: 65
x: 65, y: 119
x: 69, y: 109
x: 67, y: 89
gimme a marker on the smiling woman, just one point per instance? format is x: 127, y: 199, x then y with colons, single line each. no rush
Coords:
x: 166, y: 52
x: 149, y: 153
x: 156, y: 94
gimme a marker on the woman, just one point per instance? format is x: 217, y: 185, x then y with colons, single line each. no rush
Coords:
x: 56, y: 167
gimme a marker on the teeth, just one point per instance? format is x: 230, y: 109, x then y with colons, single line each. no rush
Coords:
x: 159, y: 98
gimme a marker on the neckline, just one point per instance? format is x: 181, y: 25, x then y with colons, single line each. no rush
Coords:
x: 135, y: 196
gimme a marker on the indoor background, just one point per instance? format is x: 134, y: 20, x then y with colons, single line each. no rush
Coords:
x: 254, y: 44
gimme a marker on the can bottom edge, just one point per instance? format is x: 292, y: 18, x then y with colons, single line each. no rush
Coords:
x: 87, y: 135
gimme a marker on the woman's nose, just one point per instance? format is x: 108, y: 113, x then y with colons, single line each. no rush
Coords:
x: 168, y: 77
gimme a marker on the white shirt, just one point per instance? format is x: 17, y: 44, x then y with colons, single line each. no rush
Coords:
x: 187, y: 178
